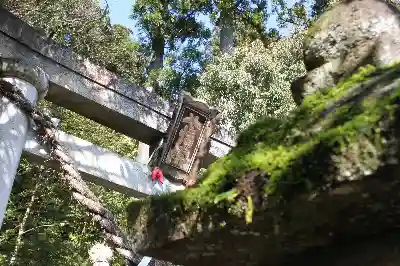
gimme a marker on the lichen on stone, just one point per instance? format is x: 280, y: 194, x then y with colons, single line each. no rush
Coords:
x: 341, y: 40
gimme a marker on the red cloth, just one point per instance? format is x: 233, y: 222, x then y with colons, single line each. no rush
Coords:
x: 157, y: 174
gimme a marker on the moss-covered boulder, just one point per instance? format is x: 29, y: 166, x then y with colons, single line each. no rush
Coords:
x: 327, y: 173
x: 352, y: 33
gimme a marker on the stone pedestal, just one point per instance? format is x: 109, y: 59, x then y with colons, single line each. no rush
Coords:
x: 143, y: 153
x: 33, y: 83
x: 100, y: 255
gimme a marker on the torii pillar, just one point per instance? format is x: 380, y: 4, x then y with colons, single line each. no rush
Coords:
x: 33, y: 82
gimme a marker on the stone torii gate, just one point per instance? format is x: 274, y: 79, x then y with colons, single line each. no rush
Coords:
x: 96, y: 93
x: 45, y: 69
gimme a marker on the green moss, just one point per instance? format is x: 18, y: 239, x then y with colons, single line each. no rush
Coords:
x: 273, y: 146
x: 297, y: 154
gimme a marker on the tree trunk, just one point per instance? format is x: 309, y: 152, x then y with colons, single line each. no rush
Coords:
x: 157, y: 45
x: 226, y: 32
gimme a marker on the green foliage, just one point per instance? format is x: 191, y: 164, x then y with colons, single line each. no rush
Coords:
x: 253, y: 82
x: 295, y: 15
x: 173, y: 21
x: 93, y: 132
x: 85, y: 28
x: 180, y: 72
x: 58, y: 231
x: 123, y: 56
x: 180, y: 56
x: 249, y: 18
x: 61, y: 237
x: 47, y: 233
x: 174, y: 35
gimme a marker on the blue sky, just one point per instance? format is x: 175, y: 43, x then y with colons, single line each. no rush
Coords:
x: 121, y: 9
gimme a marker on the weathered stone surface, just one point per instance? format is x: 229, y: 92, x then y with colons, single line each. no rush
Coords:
x: 348, y: 213
x: 101, y: 166
x: 382, y: 250
x: 327, y: 174
x: 38, y: 42
x: 94, y: 92
x: 351, y: 34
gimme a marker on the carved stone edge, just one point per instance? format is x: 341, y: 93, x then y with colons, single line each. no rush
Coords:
x: 11, y: 67
x: 199, y: 104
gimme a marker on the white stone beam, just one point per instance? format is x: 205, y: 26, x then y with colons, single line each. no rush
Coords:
x: 101, y: 166
x: 145, y: 261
